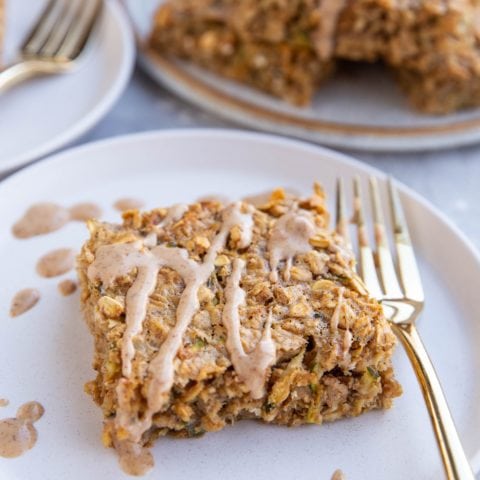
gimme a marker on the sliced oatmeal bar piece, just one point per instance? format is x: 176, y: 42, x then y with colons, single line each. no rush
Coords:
x: 441, y: 71
x: 206, y: 314
x: 243, y: 42
x: 433, y: 47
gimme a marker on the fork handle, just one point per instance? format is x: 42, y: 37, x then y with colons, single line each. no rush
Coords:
x: 19, y: 72
x: 453, y: 456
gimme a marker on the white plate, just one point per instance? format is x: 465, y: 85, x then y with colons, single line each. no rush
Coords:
x: 42, y: 115
x: 363, y: 109
x: 45, y: 355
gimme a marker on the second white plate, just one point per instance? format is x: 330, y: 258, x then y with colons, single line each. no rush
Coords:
x: 44, y: 114
x: 45, y: 355
x: 363, y: 109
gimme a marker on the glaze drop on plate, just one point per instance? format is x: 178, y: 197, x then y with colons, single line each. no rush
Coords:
x: 67, y: 287
x: 55, y: 263
x: 3, y: 402
x: 23, y: 301
x: 18, y: 435
x: 82, y: 212
x: 45, y: 217
x: 39, y: 219
x: 30, y: 412
x: 123, y: 204
x: 133, y: 458
x: 338, y: 475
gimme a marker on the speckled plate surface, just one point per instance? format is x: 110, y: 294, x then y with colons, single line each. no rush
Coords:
x: 45, y: 355
x: 362, y: 109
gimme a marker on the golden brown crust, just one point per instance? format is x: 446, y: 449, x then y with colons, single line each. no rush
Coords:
x: 315, y: 377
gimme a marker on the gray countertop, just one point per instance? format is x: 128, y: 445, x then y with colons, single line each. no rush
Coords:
x: 449, y: 179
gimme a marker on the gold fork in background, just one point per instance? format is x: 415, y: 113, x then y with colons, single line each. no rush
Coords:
x: 402, y: 299
x: 55, y: 42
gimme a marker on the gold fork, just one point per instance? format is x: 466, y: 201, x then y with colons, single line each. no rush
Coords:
x: 402, y: 298
x: 56, y: 40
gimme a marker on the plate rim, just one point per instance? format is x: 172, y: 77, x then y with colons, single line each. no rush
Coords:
x: 191, y: 81
x: 94, y: 115
x: 70, y: 153
x: 340, y: 135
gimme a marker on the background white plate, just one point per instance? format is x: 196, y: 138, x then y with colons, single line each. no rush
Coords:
x: 45, y: 355
x: 361, y: 109
x: 42, y: 115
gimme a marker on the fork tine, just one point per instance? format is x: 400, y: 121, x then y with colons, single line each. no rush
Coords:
x: 388, y: 275
x: 367, y: 264
x: 65, y: 19
x: 80, y: 33
x: 41, y: 30
x: 341, y: 216
x: 407, y: 264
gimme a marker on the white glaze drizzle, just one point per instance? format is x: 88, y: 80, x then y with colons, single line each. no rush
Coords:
x: 338, y: 310
x: 150, y: 240
x: 251, y: 368
x: 174, y: 214
x: 330, y: 11
x: 289, y: 237
x: 342, y: 342
x: 114, y: 261
x: 343, y: 349
x: 194, y: 275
